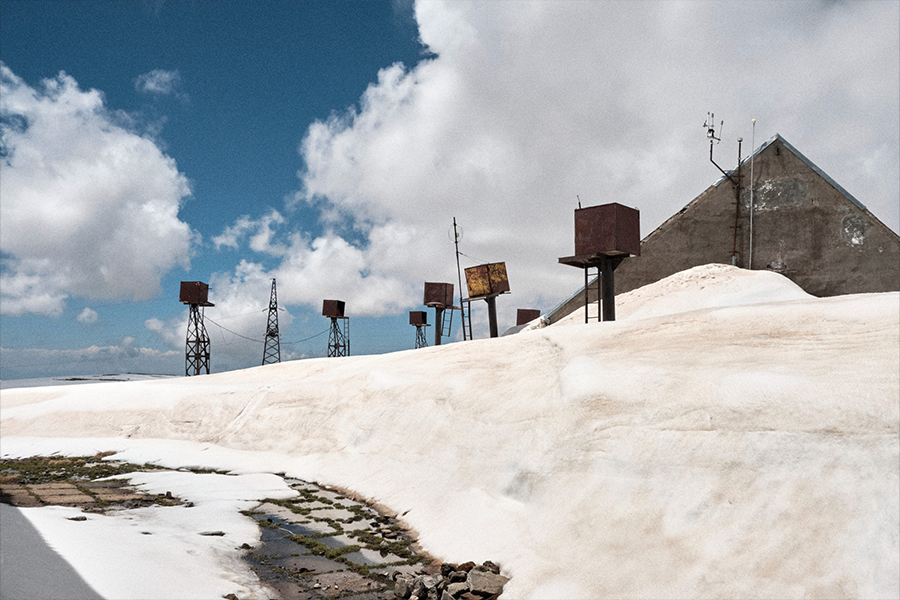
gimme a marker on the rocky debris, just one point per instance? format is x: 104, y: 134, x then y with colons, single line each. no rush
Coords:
x: 454, y: 582
x: 484, y: 582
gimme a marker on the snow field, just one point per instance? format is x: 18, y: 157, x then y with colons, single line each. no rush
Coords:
x: 742, y: 444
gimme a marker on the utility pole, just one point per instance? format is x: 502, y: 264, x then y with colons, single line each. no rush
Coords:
x: 462, y: 310
x: 272, y: 351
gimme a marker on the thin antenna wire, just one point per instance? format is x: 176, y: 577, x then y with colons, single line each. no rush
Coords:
x: 579, y: 200
x: 752, y: 185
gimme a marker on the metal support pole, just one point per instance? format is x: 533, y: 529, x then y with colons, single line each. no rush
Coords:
x: 608, y: 289
x: 586, y: 295
x: 462, y: 310
x: 438, y: 324
x: 492, y: 314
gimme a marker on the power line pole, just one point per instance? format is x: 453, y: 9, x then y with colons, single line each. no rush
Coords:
x: 272, y: 351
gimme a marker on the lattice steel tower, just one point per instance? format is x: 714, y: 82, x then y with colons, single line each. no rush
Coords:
x: 419, y: 318
x: 196, y: 346
x: 338, y: 336
x: 272, y: 351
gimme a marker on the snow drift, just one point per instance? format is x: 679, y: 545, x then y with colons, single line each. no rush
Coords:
x: 730, y: 436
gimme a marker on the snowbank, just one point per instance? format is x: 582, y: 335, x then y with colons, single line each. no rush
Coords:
x: 734, y: 450
x: 706, y: 286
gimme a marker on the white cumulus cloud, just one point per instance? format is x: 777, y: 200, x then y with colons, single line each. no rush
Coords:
x: 88, y: 315
x: 90, y: 208
x: 159, y: 82
x: 526, y: 105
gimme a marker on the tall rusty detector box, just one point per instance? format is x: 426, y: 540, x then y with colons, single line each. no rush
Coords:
x: 609, y: 229
x: 605, y: 235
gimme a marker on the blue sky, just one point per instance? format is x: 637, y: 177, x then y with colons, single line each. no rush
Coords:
x: 331, y: 144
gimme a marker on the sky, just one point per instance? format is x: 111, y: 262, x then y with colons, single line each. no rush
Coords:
x: 713, y: 442
x: 330, y: 145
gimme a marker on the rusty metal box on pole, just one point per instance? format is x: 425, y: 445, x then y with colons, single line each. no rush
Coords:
x: 438, y: 294
x: 333, y: 309
x: 610, y: 229
x: 194, y: 292
x: 487, y: 280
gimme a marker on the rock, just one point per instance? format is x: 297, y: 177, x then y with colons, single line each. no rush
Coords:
x: 457, y: 576
x: 230, y: 597
x: 402, y: 589
x: 466, y: 567
x: 455, y: 589
x: 491, y: 567
x: 212, y: 533
x: 418, y: 590
x: 485, y: 583
x: 446, y: 596
x: 447, y: 568
x: 78, y: 518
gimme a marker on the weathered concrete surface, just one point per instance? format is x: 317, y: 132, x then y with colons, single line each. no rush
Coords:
x: 805, y: 226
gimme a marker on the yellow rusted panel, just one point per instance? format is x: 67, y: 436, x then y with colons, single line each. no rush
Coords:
x: 486, y: 280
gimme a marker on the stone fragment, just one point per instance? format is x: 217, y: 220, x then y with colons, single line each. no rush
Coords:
x: 466, y: 566
x: 457, y: 576
x: 490, y: 566
x: 418, y: 589
x: 447, y: 568
x: 455, y: 589
x: 446, y: 596
x: 402, y: 589
x: 485, y: 583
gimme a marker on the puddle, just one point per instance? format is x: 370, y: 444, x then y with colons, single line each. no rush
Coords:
x: 324, y: 545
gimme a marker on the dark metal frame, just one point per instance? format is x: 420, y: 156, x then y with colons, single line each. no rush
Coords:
x: 338, y: 337
x: 196, y: 347
x: 272, y: 350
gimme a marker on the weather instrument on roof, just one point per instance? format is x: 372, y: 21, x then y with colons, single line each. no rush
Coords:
x: 419, y: 318
x: 605, y: 235
x: 339, y: 333
x: 734, y: 178
x: 710, y: 125
x: 440, y: 297
x: 486, y: 282
x: 196, y: 345
x: 272, y: 350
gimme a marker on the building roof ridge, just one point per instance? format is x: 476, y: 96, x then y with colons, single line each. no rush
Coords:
x: 807, y: 161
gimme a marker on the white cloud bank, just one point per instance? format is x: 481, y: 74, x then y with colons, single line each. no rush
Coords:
x: 90, y: 208
x: 528, y: 104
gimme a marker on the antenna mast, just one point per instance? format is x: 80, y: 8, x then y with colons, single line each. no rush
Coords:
x: 710, y: 126
x: 462, y: 310
x: 272, y: 351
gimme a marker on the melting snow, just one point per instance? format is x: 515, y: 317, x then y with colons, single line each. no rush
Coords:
x: 729, y: 436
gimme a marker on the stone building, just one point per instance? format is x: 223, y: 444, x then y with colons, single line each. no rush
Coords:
x: 804, y: 226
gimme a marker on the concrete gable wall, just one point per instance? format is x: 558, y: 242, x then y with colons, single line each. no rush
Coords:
x: 803, y: 227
